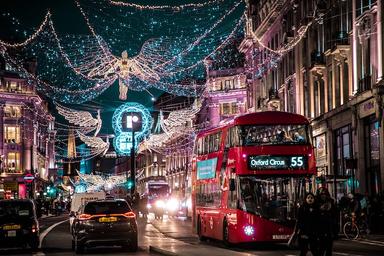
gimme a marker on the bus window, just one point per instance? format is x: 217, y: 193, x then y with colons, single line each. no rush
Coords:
x: 274, y: 134
x: 272, y: 198
x: 232, y: 197
x: 206, y: 145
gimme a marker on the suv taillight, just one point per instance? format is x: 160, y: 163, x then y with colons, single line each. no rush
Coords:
x: 85, y: 216
x: 129, y: 215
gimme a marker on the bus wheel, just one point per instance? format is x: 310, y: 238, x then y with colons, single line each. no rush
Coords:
x: 199, y: 233
x: 226, y: 234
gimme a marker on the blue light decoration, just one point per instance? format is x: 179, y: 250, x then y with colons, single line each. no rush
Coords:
x: 123, y: 136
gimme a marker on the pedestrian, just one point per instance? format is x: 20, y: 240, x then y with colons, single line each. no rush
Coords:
x: 307, y: 226
x: 327, y: 221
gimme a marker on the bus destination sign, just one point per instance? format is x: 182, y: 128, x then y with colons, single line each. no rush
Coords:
x: 265, y: 162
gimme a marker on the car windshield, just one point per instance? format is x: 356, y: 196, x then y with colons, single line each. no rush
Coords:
x: 115, y: 207
x: 273, y: 198
x: 273, y: 134
x: 15, y: 209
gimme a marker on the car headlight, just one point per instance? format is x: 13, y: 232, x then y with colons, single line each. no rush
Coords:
x: 172, y: 204
x: 160, y: 204
x: 149, y: 206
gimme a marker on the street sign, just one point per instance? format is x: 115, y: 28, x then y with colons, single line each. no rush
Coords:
x: 28, y: 178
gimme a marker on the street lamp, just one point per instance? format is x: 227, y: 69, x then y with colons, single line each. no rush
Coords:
x: 134, y: 123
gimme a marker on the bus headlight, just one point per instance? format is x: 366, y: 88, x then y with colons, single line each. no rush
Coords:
x: 249, y: 230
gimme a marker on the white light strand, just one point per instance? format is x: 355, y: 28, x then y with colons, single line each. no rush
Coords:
x: 31, y: 37
x: 160, y: 7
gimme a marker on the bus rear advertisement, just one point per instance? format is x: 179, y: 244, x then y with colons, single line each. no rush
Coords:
x: 248, y: 176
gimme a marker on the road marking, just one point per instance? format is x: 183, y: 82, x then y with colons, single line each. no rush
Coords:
x: 367, y: 241
x: 45, y: 232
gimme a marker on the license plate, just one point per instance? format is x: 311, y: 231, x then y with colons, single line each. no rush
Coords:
x: 11, y: 227
x: 12, y: 233
x: 280, y: 237
x: 107, y: 219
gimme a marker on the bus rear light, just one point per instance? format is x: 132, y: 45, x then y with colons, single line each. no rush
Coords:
x: 309, y: 155
x: 249, y: 230
x: 129, y: 215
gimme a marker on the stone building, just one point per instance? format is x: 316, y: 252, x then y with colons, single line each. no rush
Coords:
x: 27, y: 144
x: 324, y: 59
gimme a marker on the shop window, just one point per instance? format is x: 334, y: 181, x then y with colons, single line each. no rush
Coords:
x: 343, y: 148
x: 372, y: 155
x: 12, y: 134
x: 13, y: 162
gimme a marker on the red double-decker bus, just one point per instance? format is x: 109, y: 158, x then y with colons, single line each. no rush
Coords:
x: 248, y: 175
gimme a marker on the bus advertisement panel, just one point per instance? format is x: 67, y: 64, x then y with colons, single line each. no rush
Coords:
x: 248, y: 176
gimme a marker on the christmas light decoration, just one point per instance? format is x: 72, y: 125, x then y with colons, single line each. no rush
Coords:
x: 122, y: 141
x: 81, y: 118
x: 95, y: 143
x: 160, y: 7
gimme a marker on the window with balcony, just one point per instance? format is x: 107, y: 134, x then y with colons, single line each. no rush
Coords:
x: 13, y: 86
x: 12, y: 111
x: 11, y: 134
x: 13, y: 162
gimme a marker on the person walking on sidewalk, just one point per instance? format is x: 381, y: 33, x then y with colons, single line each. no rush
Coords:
x: 327, y: 222
x: 307, y: 226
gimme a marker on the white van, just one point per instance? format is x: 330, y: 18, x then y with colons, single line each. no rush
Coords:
x: 80, y: 199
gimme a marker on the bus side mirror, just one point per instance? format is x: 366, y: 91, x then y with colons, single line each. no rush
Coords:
x: 232, y: 185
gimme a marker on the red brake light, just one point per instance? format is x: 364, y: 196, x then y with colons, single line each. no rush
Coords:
x: 85, y: 216
x: 129, y: 215
x: 34, y: 228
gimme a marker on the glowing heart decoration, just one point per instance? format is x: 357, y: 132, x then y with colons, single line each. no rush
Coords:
x: 128, y: 119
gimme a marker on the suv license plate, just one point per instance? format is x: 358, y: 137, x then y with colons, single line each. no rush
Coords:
x: 107, y: 219
x: 12, y: 233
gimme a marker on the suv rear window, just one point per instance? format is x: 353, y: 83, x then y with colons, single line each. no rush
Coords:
x: 18, y: 209
x: 115, y: 207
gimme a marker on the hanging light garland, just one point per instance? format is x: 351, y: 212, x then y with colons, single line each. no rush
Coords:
x: 161, y: 7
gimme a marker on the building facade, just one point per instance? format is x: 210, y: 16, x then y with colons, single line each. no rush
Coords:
x: 324, y: 60
x: 225, y: 95
x: 27, y: 145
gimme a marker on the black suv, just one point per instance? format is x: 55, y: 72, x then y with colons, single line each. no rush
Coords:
x: 104, y: 222
x: 18, y: 223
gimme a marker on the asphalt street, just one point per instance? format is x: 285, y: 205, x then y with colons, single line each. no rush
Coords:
x: 56, y: 240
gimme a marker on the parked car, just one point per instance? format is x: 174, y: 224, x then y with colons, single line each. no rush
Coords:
x: 18, y: 223
x: 105, y: 223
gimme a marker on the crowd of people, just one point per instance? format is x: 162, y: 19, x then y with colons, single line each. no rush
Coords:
x: 318, y: 219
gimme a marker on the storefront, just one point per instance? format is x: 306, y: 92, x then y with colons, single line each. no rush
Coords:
x: 371, y: 146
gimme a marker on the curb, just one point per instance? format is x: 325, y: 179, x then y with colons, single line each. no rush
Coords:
x: 161, y: 251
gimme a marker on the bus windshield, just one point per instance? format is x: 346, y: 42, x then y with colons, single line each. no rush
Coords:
x: 273, y: 198
x: 273, y: 134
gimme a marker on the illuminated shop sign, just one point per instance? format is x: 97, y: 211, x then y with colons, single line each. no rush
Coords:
x: 277, y: 162
x: 206, y: 169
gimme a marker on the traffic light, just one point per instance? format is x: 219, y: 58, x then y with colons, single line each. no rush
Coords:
x: 129, y: 184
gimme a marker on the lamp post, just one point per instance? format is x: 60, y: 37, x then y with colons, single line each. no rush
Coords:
x: 135, y: 124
